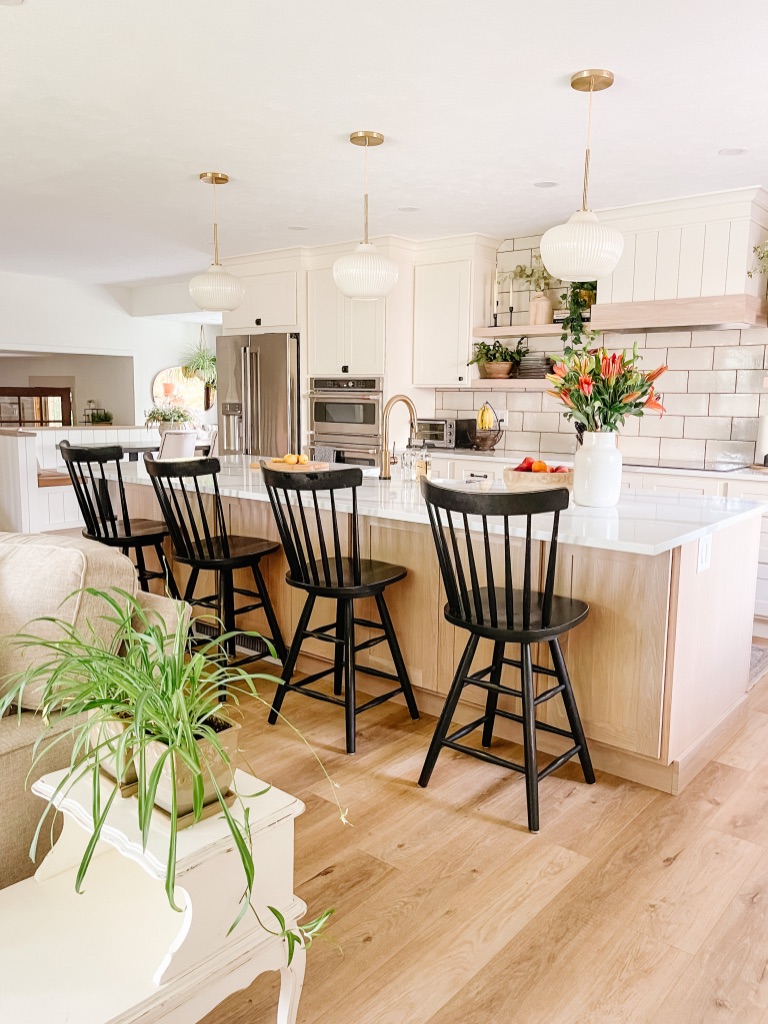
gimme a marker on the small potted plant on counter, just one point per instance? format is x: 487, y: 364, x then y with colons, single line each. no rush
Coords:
x: 142, y: 716
x: 599, y: 390
x: 168, y: 417
x: 496, y: 360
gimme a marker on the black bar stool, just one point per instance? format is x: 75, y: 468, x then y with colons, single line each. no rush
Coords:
x: 323, y: 570
x: 201, y: 541
x: 86, y: 471
x: 504, y: 615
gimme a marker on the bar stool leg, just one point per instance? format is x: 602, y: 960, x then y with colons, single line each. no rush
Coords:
x: 444, y: 721
x: 167, y: 572
x: 338, y: 652
x: 141, y: 569
x: 290, y: 661
x: 529, y: 738
x: 274, y: 627
x: 349, y: 672
x: 492, y: 698
x: 397, y: 656
x: 574, y: 720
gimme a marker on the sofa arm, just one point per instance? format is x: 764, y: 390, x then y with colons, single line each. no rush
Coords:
x: 162, y: 611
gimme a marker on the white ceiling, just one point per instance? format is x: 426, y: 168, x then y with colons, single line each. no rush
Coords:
x: 109, y: 108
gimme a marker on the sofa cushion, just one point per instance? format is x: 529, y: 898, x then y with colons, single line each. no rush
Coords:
x: 43, y: 575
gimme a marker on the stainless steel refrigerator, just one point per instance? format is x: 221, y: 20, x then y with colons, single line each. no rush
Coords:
x: 258, y: 394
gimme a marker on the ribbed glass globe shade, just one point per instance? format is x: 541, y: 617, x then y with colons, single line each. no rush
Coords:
x: 583, y: 249
x: 365, y: 273
x: 217, y: 290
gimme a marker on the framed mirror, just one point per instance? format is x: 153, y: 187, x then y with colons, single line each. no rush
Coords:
x: 171, y: 387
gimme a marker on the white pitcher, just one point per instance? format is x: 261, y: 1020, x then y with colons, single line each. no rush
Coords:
x: 597, y: 470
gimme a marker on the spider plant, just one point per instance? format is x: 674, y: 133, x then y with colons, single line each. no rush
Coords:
x: 166, y: 701
x: 201, y: 362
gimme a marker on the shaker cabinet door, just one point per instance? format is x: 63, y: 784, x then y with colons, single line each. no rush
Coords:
x: 270, y: 301
x: 325, y: 323
x: 441, y: 324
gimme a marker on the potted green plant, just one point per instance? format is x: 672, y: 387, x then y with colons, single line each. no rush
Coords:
x: 166, y: 417
x: 101, y: 416
x: 539, y: 281
x: 144, y: 700
x: 497, y: 360
x: 201, y: 362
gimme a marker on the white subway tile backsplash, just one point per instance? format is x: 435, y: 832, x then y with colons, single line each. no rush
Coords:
x: 527, y: 242
x: 652, y: 425
x: 754, y: 336
x: 514, y: 420
x: 744, y: 429
x: 563, y: 444
x: 546, y: 421
x: 717, y: 428
x: 690, y: 358
x: 685, y: 405
x: 739, y: 357
x: 524, y: 401
x: 497, y: 399
x: 750, y: 380
x: 639, y: 447
x: 718, y: 338
x: 737, y: 451
x: 684, y: 449
x: 519, y: 440
x: 668, y: 339
x: 675, y: 381
x: 733, y: 405
x: 700, y: 381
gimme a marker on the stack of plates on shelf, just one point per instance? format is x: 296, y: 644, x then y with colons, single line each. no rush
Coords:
x: 534, y: 366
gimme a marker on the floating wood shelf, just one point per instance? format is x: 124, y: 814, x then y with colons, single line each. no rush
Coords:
x: 520, y: 331
x: 510, y: 384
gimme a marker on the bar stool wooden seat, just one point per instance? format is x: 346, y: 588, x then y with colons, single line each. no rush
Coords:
x: 506, y: 615
x: 86, y: 471
x: 319, y: 567
x: 200, y: 540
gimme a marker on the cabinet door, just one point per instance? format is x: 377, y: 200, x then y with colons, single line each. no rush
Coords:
x: 269, y: 298
x: 756, y: 490
x: 441, y: 324
x: 364, y: 336
x: 325, y: 324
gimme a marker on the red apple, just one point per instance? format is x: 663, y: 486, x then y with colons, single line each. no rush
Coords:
x: 560, y: 469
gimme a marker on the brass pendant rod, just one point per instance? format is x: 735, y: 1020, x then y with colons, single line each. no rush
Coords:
x: 215, y: 229
x: 365, y: 196
x: 584, y: 200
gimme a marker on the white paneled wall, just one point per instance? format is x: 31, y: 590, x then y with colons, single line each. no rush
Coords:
x: 18, y: 483
x: 47, y: 441
x: 688, y: 248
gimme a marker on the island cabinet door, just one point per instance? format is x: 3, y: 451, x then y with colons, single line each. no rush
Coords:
x: 415, y: 603
x: 255, y: 519
x: 617, y: 657
x: 453, y: 640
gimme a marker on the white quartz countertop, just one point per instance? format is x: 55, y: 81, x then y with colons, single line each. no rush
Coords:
x: 642, y: 523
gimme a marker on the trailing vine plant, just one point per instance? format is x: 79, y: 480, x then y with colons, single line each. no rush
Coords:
x: 575, y: 336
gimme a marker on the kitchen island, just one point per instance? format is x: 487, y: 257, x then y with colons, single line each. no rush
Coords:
x: 661, y: 666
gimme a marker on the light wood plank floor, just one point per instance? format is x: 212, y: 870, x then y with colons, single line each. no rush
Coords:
x: 628, y: 906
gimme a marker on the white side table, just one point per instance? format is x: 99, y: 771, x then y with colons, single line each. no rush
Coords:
x: 119, y: 953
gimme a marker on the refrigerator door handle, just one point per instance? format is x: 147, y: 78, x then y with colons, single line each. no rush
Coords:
x: 255, y: 399
x: 245, y: 382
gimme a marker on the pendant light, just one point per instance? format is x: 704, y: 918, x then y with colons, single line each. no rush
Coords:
x: 365, y: 273
x: 583, y: 249
x: 216, y: 290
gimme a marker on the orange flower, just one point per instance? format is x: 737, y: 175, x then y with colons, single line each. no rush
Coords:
x: 654, y: 374
x: 559, y: 369
x: 586, y: 385
x: 653, y: 403
x: 630, y: 397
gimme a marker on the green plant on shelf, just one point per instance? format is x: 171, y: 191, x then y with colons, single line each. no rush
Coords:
x: 498, y: 353
x: 101, y: 416
x: 536, y: 276
x: 577, y: 299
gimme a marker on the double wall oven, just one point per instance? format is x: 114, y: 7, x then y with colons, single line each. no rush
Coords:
x: 345, y: 419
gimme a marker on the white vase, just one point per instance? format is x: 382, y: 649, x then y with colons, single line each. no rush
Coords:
x: 540, y: 309
x: 597, y: 470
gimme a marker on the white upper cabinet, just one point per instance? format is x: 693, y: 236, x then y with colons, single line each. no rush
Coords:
x: 344, y: 335
x: 270, y: 301
x: 442, y: 324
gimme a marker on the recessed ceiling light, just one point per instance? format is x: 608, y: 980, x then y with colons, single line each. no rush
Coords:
x: 545, y: 184
x: 736, y: 151
x: 408, y: 209
x: 297, y: 227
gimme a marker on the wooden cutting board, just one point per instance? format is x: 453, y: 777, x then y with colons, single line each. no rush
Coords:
x: 284, y: 467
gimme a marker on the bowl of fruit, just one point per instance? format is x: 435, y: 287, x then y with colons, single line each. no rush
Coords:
x: 484, y: 434
x: 534, y: 474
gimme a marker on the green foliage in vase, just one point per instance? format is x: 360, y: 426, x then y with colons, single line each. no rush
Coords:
x: 161, y: 695
x: 167, y: 414
x: 201, y: 362
x: 536, y: 276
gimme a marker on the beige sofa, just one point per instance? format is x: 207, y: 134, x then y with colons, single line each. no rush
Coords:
x: 38, y: 575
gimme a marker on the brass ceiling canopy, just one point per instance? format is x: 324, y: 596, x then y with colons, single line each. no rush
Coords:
x: 366, y: 138
x: 592, y: 80
x: 214, y: 177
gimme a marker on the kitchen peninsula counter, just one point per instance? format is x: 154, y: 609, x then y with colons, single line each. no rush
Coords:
x: 660, y: 667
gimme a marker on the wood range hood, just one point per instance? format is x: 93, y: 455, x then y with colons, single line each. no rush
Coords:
x: 707, y: 313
